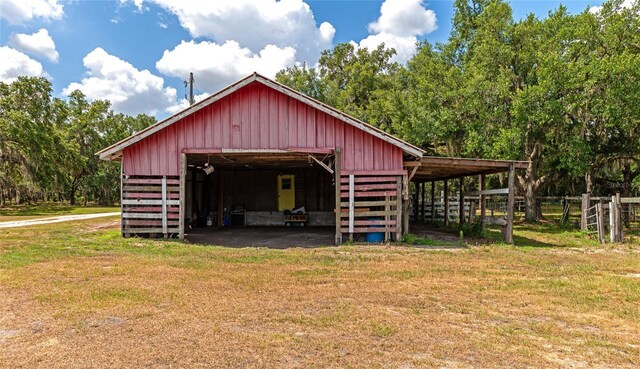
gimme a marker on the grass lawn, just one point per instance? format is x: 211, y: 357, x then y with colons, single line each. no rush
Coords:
x: 77, y: 295
x: 26, y: 212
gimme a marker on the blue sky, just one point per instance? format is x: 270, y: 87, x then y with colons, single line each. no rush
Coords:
x: 136, y: 53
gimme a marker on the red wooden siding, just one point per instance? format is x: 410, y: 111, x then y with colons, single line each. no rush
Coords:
x: 258, y: 117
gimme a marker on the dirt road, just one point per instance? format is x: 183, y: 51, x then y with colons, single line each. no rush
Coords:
x: 62, y: 218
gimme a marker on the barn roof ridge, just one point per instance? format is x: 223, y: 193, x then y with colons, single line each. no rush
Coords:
x: 113, y: 151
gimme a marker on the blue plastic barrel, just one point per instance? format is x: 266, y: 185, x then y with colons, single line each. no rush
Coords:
x: 374, y: 237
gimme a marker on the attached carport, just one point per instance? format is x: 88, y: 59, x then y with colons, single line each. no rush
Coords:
x: 432, y: 169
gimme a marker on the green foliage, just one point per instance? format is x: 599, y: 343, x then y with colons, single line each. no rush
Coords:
x: 48, y: 145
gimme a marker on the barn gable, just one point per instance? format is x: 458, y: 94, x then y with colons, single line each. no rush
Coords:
x: 258, y: 113
x: 258, y: 117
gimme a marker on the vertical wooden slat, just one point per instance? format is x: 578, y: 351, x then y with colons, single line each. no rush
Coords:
x: 508, y: 236
x: 351, y: 205
x: 336, y: 172
x: 406, y: 203
x: 121, y: 197
x: 483, y: 209
x: 586, y: 203
x: 164, y: 206
x: 183, y: 192
x: 461, y: 203
x: 398, y: 208
x: 387, y: 217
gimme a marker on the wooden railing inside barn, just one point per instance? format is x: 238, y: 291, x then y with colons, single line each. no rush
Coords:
x: 371, y: 203
x: 150, y: 205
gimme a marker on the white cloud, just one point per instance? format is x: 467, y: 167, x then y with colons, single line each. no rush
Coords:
x: 404, y: 18
x: 255, y: 24
x: 215, y: 66
x: 39, y: 43
x: 626, y: 4
x: 399, y: 25
x: 131, y: 91
x: 13, y: 63
x: 19, y: 11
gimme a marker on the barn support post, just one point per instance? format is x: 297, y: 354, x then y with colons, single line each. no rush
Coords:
x: 461, y: 203
x: 508, y: 234
x: 121, y: 198
x: 416, y: 201
x: 183, y: 193
x: 336, y: 176
x: 483, y: 209
x: 433, y: 202
x: 446, y: 202
x: 422, y: 206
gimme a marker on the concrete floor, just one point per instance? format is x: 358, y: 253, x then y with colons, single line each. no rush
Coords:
x: 270, y: 237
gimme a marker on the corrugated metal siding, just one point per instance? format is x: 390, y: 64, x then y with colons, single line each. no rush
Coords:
x: 258, y: 117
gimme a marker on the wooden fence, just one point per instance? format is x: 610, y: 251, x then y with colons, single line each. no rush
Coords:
x: 371, y: 204
x: 150, y: 205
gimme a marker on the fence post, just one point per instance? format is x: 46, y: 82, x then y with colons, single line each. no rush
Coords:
x: 612, y: 219
x: 586, y: 201
x: 600, y: 219
x: 619, y: 222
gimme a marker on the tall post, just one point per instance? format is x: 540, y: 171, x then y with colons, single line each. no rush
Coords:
x: 191, y: 99
x: 483, y: 209
x: 446, y: 202
x: 508, y: 235
x: 406, y: 199
x: 416, y: 201
x: 619, y: 222
x: 183, y: 193
x: 422, y: 209
x: 433, y: 202
x: 336, y: 172
x: 586, y: 201
x: 461, y: 203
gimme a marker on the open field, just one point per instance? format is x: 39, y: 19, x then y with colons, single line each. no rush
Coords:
x: 26, y: 212
x: 79, y: 296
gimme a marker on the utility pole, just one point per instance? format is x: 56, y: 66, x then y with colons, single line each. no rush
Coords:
x: 190, y: 83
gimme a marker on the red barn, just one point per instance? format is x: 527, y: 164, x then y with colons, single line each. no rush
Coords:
x: 256, y: 150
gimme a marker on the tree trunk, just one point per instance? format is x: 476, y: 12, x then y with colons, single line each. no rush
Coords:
x: 588, y: 179
x: 72, y: 196
x: 531, y: 183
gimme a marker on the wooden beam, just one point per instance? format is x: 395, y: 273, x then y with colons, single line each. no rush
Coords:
x: 413, y: 173
x: 325, y: 166
x: 433, y: 202
x: 411, y: 164
x: 183, y: 193
x: 461, y: 203
x: 496, y: 191
x: 508, y: 236
x: 337, y: 175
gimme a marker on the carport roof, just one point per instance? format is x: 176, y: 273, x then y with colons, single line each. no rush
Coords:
x: 435, y: 168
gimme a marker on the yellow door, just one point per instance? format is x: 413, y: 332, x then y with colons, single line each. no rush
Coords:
x: 286, y: 192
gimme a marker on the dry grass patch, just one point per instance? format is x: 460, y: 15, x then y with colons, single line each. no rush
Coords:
x: 81, y: 296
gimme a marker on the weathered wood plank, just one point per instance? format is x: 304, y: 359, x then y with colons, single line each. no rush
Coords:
x: 365, y: 179
x: 149, y: 202
x: 369, y: 187
x: 362, y: 214
x: 150, y: 230
x: 130, y: 188
x: 158, y: 181
x: 369, y: 194
x: 369, y: 222
x: 364, y: 203
x: 351, y: 206
x: 370, y: 229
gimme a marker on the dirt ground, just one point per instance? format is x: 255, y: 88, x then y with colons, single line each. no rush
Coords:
x: 80, y: 296
x: 270, y: 237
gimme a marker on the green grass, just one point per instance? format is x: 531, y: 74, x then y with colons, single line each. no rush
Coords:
x: 25, y: 212
x: 555, y: 292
